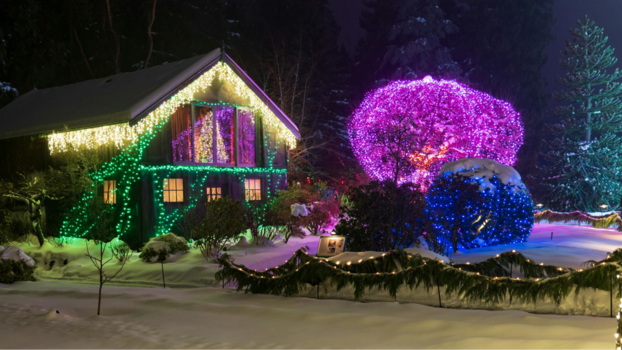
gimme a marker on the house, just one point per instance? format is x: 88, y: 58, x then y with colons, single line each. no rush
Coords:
x: 171, y: 136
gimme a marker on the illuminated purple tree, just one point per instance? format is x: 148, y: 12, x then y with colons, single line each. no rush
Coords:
x: 406, y: 130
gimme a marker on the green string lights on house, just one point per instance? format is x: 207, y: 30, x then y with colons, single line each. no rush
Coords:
x: 126, y: 168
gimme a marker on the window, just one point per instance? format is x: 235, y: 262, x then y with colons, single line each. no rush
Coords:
x: 213, y: 193
x: 182, y: 134
x: 214, y: 133
x: 110, y: 190
x: 246, y: 137
x: 225, y: 135
x: 218, y: 135
x: 252, y: 189
x: 204, y: 136
x: 173, y: 190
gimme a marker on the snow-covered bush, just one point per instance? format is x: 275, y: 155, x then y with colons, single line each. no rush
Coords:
x: 169, y: 243
x: 15, y: 265
x: 479, y: 202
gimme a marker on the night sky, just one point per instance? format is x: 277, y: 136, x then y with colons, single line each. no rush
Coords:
x: 606, y: 13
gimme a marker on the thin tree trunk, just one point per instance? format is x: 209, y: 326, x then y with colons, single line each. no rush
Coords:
x: 149, y: 34
x: 99, y: 302
x: 116, y: 38
x: 86, y: 61
x: 163, y: 281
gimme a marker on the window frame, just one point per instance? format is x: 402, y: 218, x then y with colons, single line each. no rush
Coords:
x: 237, y: 137
x: 193, y: 118
x: 210, y: 195
x: 112, y: 192
x: 255, y: 190
x: 183, y: 191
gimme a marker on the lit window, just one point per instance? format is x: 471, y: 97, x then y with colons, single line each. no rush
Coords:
x: 252, y: 189
x: 213, y: 193
x: 173, y: 190
x: 110, y: 190
x: 225, y: 135
x: 246, y: 137
x: 204, y: 136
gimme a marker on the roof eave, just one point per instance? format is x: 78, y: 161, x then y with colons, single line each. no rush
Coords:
x: 262, y: 95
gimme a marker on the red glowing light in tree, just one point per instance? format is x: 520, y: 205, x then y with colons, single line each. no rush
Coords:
x: 407, y: 130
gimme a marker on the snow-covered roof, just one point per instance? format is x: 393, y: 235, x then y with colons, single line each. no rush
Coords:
x: 121, y: 98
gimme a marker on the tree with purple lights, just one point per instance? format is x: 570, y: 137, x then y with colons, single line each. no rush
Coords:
x: 406, y: 130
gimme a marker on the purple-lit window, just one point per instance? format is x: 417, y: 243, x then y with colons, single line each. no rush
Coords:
x: 182, y: 135
x: 225, y: 135
x: 204, y: 136
x: 246, y: 137
x: 216, y: 135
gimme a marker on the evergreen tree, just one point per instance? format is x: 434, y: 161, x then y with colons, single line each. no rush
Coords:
x: 415, y: 41
x: 584, y: 163
x: 405, y: 40
x: 499, y: 47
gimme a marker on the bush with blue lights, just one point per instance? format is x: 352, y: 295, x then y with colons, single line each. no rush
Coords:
x: 462, y: 216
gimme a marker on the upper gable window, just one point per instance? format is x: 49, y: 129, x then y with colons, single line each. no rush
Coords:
x: 182, y: 134
x: 214, y: 136
x: 246, y: 137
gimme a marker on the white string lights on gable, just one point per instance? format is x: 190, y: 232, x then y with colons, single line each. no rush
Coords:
x: 123, y: 134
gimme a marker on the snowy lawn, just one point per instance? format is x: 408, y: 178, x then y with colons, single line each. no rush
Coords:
x: 571, y: 245
x: 182, y: 270
x: 221, y: 318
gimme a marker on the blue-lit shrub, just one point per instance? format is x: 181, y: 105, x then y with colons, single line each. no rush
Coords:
x: 461, y: 215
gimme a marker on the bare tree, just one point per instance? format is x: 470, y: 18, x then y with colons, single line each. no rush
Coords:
x: 116, y: 38
x: 33, y: 191
x: 153, y: 12
x: 103, y: 233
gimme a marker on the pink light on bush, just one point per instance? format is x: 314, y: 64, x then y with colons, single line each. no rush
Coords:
x: 407, y: 130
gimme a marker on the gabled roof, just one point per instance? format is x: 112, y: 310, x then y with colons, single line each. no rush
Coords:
x: 121, y: 98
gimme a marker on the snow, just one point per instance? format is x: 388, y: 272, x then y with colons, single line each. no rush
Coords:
x: 483, y: 170
x: 571, y: 245
x: 221, y: 318
x: 182, y: 270
x: 299, y: 210
x: 16, y: 254
x: 354, y: 257
x: 202, y: 317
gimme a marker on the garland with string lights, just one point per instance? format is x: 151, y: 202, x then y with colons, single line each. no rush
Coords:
x: 550, y: 216
x: 487, y: 281
x: 126, y: 167
x: 123, y: 134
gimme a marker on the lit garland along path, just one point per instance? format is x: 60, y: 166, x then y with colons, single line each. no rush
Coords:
x: 213, y: 317
x: 570, y: 247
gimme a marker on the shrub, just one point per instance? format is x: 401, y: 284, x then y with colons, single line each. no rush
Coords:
x: 257, y: 220
x: 280, y: 211
x: 121, y: 251
x: 454, y: 204
x: 382, y: 216
x: 468, y: 217
x: 14, y: 271
x: 223, y: 224
x: 5, y: 227
x: 169, y: 242
x: 320, y: 216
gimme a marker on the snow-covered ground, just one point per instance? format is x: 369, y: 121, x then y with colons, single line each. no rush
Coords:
x: 135, y: 316
x: 571, y: 245
x: 221, y: 318
x: 183, y: 270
